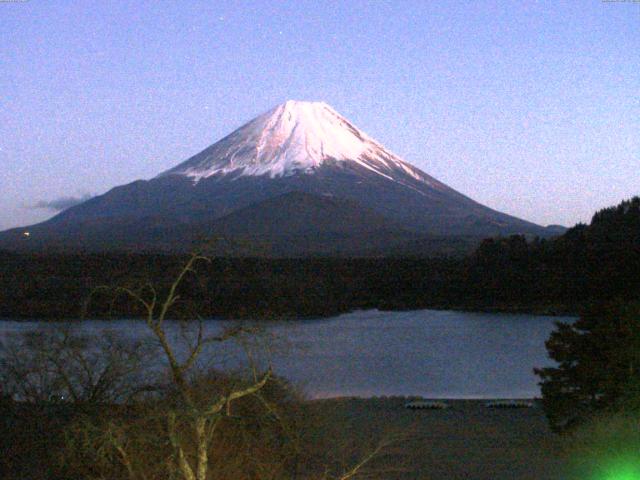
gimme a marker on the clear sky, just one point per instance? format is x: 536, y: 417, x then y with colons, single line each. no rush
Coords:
x: 530, y: 107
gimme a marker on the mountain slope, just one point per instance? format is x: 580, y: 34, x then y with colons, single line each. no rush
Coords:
x: 297, y: 224
x: 289, y: 225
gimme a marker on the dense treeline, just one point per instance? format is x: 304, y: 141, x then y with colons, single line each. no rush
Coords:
x: 595, y: 384
x: 57, y: 286
x: 596, y: 369
x: 589, y: 263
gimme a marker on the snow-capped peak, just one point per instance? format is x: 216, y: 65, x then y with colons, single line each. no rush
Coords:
x: 294, y: 137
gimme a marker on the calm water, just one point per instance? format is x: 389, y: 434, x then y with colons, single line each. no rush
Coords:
x: 436, y: 354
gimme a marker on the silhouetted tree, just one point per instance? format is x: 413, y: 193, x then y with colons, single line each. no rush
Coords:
x: 598, y: 365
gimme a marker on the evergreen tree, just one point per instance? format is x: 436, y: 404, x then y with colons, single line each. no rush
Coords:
x: 598, y: 368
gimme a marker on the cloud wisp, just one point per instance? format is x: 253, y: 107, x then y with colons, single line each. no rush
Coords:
x: 61, y: 203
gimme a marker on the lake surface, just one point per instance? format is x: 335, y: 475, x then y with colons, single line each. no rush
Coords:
x: 435, y: 354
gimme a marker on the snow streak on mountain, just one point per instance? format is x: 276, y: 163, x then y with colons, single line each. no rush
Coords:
x: 295, y: 137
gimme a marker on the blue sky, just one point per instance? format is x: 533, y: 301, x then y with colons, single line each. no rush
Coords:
x: 530, y: 107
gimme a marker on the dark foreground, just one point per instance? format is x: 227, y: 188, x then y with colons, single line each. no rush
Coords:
x: 465, y: 441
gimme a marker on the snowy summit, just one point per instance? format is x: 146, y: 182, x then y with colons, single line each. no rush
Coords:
x: 300, y: 180
x: 294, y: 137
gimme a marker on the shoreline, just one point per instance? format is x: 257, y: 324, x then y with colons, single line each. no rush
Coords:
x: 546, y: 311
x: 409, y: 398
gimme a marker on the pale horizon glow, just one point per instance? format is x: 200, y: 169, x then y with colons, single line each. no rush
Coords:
x: 530, y: 108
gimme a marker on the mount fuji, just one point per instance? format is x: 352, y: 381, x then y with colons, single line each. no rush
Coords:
x: 297, y: 180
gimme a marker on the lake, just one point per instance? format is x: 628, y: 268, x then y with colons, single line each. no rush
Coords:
x: 434, y: 354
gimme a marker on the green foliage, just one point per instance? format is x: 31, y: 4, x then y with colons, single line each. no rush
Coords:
x: 598, y: 365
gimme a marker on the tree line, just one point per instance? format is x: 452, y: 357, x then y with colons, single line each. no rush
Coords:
x: 587, y: 264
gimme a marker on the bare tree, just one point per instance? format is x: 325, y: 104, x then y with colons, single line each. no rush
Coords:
x: 59, y: 363
x: 194, y: 413
x: 188, y: 423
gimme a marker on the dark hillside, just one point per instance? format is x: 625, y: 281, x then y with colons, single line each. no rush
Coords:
x: 587, y: 264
